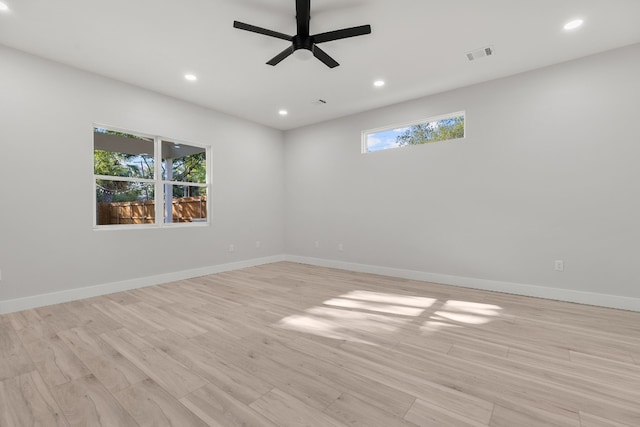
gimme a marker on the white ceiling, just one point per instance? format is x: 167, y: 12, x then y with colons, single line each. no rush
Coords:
x: 417, y: 46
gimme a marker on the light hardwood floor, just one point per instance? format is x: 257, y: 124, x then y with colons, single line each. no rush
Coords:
x: 293, y: 345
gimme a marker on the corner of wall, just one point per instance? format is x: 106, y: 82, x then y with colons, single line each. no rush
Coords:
x: 567, y: 295
x: 42, y: 300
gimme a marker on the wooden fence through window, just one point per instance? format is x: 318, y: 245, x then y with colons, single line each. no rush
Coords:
x: 185, y: 209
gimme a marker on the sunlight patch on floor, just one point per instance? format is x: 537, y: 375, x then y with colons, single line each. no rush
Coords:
x: 435, y: 326
x: 317, y: 326
x: 470, y: 319
x: 351, y: 325
x: 371, y: 306
x: 369, y: 317
x: 473, y: 307
x: 408, y: 300
x: 462, y: 312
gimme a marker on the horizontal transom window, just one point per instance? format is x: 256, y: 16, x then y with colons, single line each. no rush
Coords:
x: 440, y: 128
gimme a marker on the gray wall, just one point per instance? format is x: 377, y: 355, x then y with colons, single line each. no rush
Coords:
x: 47, y: 241
x: 548, y: 171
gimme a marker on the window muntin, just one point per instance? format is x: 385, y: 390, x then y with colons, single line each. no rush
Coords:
x: 187, y: 204
x: 184, y: 177
x: 127, y: 181
x: 441, y: 128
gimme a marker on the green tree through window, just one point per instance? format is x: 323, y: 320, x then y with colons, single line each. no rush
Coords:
x: 441, y: 130
x: 148, y: 180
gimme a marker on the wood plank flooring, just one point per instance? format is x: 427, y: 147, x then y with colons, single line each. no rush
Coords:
x: 294, y: 345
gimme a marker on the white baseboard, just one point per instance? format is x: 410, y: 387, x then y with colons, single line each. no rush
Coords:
x: 589, y: 298
x: 602, y: 300
x: 35, y: 301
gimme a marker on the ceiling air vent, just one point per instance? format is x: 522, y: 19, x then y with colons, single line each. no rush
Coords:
x: 480, y: 53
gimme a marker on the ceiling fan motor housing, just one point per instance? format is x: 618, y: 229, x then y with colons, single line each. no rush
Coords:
x: 301, y: 42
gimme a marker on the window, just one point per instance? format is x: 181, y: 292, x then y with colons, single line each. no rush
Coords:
x: 441, y: 128
x: 130, y: 190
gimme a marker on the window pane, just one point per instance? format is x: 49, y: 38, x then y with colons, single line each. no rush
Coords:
x: 439, y: 129
x: 184, y: 163
x: 187, y: 203
x: 127, y: 181
x: 122, y: 154
x: 124, y: 202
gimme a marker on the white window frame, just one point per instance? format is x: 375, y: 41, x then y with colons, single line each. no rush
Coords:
x: 366, y: 133
x: 158, y: 182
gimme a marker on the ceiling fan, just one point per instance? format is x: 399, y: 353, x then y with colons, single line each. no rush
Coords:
x: 302, y: 39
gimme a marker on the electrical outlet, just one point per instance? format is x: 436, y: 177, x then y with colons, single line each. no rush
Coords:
x: 317, y: 243
x: 559, y: 265
x: 340, y: 247
x: 232, y: 248
x: 258, y: 244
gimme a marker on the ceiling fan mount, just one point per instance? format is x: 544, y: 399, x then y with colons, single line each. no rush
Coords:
x: 302, y: 39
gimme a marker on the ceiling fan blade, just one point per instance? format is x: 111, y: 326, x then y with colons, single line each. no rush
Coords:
x: 322, y: 56
x: 260, y: 30
x: 282, y: 55
x: 342, y: 34
x: 303, y: 16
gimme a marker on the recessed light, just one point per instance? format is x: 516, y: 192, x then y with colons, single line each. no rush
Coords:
x: 378, y: 83
x: 190, y: 77
x: 572, y: 25
x: 283, y: 112
x: 4, y: 7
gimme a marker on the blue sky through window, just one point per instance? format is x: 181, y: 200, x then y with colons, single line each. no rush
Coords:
x: 440, y: 128
x: 384, y: 140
